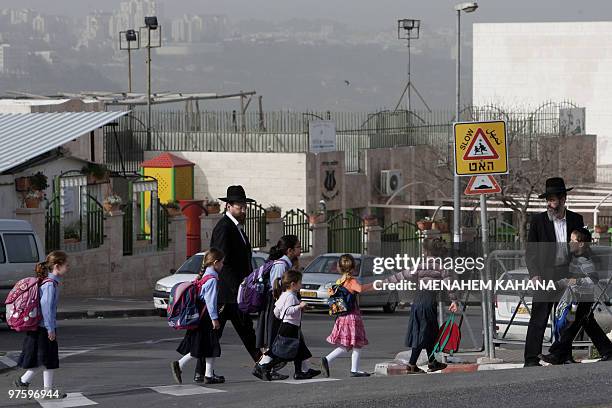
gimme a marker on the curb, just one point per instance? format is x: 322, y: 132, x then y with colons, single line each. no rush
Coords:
x: 97, y: 314
x: 391, y: 368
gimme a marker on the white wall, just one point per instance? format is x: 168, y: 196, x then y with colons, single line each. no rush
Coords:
x: 526, y: 64
x: 278, y: 178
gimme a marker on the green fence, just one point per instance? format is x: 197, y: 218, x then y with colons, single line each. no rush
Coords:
x: 52, y: 225
x: 128, y: 228
x: 94, y: 223
x: 163, y: 228
x: 345, y: 234
x: 401, y: 238
x: 255, y: 225
x: 296, y: 223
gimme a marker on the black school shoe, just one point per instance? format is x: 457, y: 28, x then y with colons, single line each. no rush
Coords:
x: 262, y: 372
x: 359, y: 374
x: 325, y: 366
x: 214, y: 379
x: 551, y: 359
x: 199, y: 378
x: 176, y: 372
x: 300, y: 375
x: 436, y: 366
x: 21, y: 385
x: 276, y: 376
x: 606, y: 357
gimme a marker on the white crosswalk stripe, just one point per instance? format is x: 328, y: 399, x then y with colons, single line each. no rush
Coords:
x: 312, y: 380
x: 74, y: 399
x: 182, y: 390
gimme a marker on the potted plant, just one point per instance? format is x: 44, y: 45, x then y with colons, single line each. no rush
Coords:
x: 601, y: 229
x: 424, y: 224
x: 174, y: 209
x: 32, y: 199
x: 440, y: 225
x: 315, y: 218
x: 39, y: 182
x: 273, y: 212
x: 72, y: 234
x: 112, y: 202
x: 370, y: 220
x: 212, y: 206
x: 96, y: 173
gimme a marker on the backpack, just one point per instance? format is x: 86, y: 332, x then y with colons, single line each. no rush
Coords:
x: 253, y: 289
x: 184, y: 310
x: 23, y: 304
x: 449, y: 337
x: 565, y: 313
x: 341, y: 300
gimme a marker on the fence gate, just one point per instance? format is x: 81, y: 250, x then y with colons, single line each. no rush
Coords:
x: 296, y: 223
x: 128, y: 227
x: 162, y: 226
x: 94, y: 222
x: 345, y: 234
x: 52, y: 225
x: 255, y: 225
x: 401, y: 238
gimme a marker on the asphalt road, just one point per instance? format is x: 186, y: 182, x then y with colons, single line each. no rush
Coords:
x: 124, y: 362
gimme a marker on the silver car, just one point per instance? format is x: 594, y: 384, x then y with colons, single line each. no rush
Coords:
x: 322, y: 273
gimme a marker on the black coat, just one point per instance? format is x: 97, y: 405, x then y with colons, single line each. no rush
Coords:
x: 237, y: 263
x: 541, y: 248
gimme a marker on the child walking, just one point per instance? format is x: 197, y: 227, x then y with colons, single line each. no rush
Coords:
x: 288, y: 309
x: 348, y: 332
x: 40, y: 347
x: 203, y: 342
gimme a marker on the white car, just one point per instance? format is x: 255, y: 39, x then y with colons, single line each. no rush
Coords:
x: 188, y: 272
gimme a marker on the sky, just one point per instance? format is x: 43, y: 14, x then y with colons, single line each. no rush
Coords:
x: 367, y: 14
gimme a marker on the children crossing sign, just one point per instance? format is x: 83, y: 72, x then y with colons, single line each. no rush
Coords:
x: 480, y: 148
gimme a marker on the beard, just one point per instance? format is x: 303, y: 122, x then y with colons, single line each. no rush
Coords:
x: 555, y: 212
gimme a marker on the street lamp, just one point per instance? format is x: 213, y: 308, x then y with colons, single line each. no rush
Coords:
x: 408, y: 29
x: 151, y: 24
x: 467, y: 8
x: 129, y: 40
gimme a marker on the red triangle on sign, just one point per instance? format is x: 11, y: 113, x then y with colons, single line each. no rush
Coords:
x: 483, y: 184
x: 482, y: 150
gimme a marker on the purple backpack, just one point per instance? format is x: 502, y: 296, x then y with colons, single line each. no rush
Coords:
x: 252, y: 290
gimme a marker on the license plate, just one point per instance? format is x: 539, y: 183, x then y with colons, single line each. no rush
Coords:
x: 521, y: 310
x: 308, y: 294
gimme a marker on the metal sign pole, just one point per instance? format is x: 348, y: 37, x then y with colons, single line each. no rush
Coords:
x: 486, y: 301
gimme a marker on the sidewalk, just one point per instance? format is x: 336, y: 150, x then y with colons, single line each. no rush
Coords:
x: 104, y: 307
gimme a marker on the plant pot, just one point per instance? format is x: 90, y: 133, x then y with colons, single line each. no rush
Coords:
x: 23, y: 184
x: 370, y: 221
x: 108, y: 207
x: 32, y: 202
x: 174, y: 212
x: 601, y: 229
x: 71, y: 240
x: 91, y: 179
x: 273, y: 215
x: 441, y: 226
x: 213, y: 209
x: 424, y: 225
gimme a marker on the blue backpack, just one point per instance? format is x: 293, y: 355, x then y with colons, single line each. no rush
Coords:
x: 341, y: 301
x: 565, y: 313
x: 253, y: 289
x: 184, y: 309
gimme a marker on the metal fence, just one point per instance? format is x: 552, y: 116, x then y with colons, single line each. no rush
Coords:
x: 345, y: 233
x: 287, y: 131
x: 296, y: 223
x: 255, y: 225
x: 401, y: 238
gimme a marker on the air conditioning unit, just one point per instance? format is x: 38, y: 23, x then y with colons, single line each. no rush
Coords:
x: 390, y: 181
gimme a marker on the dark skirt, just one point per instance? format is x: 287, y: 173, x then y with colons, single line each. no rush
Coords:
x: 267, y: 324
x: 291, y: 330
x: 202, y: 342
x: 38, y: 350
x: 423, y: 325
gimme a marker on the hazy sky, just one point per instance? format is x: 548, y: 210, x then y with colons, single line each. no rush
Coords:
x: 370, y: 14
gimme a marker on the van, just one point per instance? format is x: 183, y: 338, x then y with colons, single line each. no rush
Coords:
x: 20, y: 251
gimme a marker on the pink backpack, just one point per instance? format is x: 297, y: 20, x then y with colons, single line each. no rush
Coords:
x: 23, y: 305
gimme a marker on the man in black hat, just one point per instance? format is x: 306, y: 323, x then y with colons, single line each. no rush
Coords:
x: 229, y: 236
x: 547, y: 256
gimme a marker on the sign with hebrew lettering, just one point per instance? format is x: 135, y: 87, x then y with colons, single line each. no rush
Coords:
x: 480, y: 148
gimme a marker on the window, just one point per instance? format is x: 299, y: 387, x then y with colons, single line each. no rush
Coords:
x: 2, y: 256
x: 192, y: 265
x: 258, y: 261
x: 21, y: 248
x: 328, y: 264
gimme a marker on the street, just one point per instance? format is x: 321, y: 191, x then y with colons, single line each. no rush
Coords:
x: 125, y: 362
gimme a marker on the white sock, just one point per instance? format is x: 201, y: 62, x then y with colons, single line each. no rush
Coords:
x: 183, y: 361
x: 210, y: 366
x: 265, y: 360
x: 355, y: 360
x: 337, y: 352
x: 305, y: 367
x: 48, y: 379
x: 27, y: 376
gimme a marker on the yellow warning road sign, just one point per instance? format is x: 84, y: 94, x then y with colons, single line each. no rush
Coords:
x: 480, y: 148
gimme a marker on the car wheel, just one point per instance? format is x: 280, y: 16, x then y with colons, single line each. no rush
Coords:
x: 390, y: 307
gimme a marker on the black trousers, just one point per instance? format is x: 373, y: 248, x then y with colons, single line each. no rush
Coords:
x: 243, y: 324
x: 540, y: 311
x: 562, y: 348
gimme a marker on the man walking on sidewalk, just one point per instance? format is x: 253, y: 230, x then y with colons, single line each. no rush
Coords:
x: 229, y: 236
x: 547, y: 256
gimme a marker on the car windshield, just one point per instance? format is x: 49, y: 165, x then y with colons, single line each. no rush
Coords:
x: 192, y: 265
x: 328, y: 264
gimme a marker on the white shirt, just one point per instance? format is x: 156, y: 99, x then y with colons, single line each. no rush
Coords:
x: 238, y: 225
x: 561, y: 235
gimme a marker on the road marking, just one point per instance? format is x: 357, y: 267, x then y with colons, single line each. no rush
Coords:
x: 499, y: 366
x: 312, y: 380
x: 74, y: 399
x: 182, y: 390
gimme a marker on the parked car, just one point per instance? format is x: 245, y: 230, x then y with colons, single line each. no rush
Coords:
x: 506, y: 302
x: 322, y: 273
x: 187, y: 272
x: 20, y: 251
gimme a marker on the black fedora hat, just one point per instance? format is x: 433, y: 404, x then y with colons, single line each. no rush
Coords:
x: 554, y: 185
x: 236, y: 194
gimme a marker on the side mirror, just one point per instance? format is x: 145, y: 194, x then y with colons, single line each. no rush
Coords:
x: 172, y: 271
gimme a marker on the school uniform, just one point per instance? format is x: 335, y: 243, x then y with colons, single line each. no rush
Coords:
x: 287, y: 309
x: 203, y: 342
x: 267, y: 323
x: 37, y: 349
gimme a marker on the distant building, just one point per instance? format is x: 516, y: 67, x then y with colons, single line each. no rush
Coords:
x: 13, y: 59
x: 199, y: 28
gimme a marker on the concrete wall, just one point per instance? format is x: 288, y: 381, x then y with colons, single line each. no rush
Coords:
x: 523, y: 65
